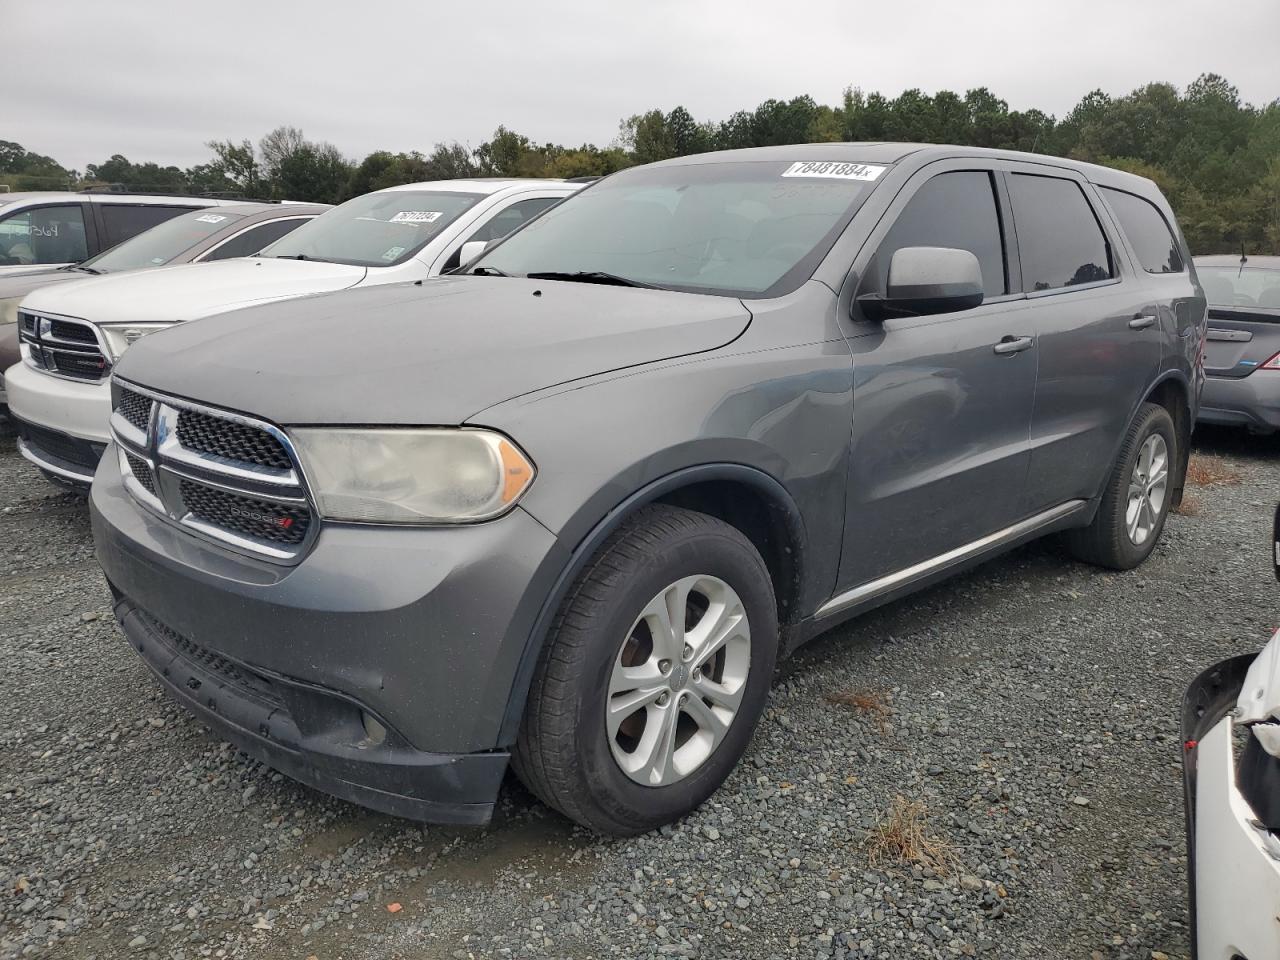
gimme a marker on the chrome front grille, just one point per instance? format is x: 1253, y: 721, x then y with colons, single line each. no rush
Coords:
x: 234, y: 441
x: 231, y: 478
x: 63, y: 346
x: 135, y: 408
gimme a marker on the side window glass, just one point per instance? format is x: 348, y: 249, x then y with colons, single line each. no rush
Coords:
x: 253, y: 239
x: 503, y: 223
x: 1060, y: 241
x: 40, y: 235
x: 951, y: 210
x: 1147, y: 230
x: 121, y: 221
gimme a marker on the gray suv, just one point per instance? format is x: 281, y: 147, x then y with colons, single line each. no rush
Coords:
x: 566, y: 511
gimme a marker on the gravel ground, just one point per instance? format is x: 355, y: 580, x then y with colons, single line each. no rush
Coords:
x: 1032, y: 711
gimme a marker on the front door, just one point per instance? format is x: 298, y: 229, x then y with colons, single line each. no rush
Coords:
x: 942, y: 404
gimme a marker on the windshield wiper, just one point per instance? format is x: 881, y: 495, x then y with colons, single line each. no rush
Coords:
x: 292, y: 256
x: 83, y: 269
x: 483, y: 271
x: 592, y: 276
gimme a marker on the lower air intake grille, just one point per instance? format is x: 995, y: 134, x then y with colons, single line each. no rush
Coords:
x: 245, y: 680
x: 235, y: 441
x: 250, y: 517
x: 68, y: 449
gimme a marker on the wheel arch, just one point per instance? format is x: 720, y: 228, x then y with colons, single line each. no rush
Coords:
x: 1173, y: 392
x: 745, y: 497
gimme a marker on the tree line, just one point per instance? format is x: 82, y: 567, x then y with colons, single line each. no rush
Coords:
x: 1215, y: 157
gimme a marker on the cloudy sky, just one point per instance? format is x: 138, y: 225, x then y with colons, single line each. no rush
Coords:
x: 154, y: 80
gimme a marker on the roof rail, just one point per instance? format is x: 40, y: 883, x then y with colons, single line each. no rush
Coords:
x: 581, y: 179
x: 204, y: 195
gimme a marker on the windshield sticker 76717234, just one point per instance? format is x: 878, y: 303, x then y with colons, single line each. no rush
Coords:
x: 416, y: 216
x: 832, y: 169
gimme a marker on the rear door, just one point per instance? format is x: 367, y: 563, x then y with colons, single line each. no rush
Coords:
x: 1100, y: 331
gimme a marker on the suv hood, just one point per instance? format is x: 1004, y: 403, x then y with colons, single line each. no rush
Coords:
x: 434, y: 354
x: 191, y: 290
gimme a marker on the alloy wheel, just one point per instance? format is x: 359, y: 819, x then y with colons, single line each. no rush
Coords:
x: 1148, y: 487
x: 678, y: 680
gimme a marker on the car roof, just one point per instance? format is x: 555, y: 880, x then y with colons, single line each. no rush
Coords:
x: 485, y: 185
x: 275, y: 211
x: 108, y: 196
x: 1233, y: 260
x: 922, y: 153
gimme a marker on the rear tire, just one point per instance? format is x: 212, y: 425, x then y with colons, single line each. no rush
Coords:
x: 613, y: 686
x: 1136, y: 500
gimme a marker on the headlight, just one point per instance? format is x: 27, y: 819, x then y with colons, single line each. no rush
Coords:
x: 412, y: 475
x: 120, y: 336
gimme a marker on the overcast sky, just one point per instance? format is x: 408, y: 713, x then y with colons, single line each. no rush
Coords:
x: 153, y: 79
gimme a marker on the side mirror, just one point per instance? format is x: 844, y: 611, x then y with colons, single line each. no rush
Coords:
x: 471, y: 250
x: 927, y: 280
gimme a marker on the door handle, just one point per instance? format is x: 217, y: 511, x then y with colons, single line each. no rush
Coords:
x: 1011, y: 344
x: 1142, y: 321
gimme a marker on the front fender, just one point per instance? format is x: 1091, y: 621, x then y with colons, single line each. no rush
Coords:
x: 777, y: 420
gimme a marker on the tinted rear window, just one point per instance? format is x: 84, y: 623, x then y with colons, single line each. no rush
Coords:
x: 1059, y: 239
x: 1147, y: 230
x: 123, y: 221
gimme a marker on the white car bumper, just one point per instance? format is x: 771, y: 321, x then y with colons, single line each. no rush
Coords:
x: 1234, y: 860
x: 62, y: 424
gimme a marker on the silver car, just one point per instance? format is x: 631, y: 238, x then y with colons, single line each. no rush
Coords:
x: 1242, y: 350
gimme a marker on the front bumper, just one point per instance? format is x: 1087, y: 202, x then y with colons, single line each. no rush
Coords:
x: 1233, y: 862
x: 66, y: 460
x: 422, y: 630
x: 62, y: 424
x: 1252, y: 401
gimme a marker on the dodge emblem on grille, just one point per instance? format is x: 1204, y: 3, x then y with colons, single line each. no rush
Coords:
x: 282, y: 522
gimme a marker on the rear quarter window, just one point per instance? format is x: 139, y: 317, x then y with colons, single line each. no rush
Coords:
x: 1148, y: 231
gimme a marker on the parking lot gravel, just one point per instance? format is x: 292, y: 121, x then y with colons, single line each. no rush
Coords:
x: 1029, y: 708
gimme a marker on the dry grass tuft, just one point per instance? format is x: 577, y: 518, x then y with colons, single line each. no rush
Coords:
x: 1206, y: 471
x: 903, y: 838
x: 873, y: 703
x: 1189, y: 507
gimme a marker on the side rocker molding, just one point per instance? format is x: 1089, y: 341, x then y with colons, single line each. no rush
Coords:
x: 585, y: 549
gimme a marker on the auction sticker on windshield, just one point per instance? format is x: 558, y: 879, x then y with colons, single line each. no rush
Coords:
x: 834, y: 170
x: 210, y: 218
x: 417, y: 216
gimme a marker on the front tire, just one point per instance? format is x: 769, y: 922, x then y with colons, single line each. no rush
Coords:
x: 1136, y: 500
x: 656, y: 672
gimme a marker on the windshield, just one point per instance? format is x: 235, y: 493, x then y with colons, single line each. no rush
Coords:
x: 1237, y: 287
x: 376, y: 230
x: 749, y: 229
x: 162, y: 243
